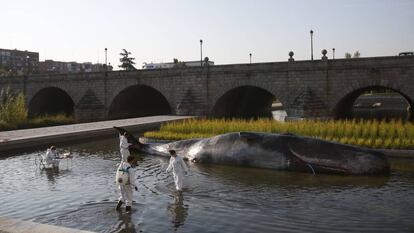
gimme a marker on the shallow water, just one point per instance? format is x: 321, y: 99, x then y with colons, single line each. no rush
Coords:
x: 83, y: 195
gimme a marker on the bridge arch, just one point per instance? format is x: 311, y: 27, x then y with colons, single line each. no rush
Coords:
x: 245, y: 101
x: 138, y: 101
x: 358, y: 104
x: 50, y: 101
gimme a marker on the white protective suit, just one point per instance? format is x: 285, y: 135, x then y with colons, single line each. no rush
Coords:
x: 124, y: 145
x: 51, y: 158
x: 125, y: 188
x: 179, y: 169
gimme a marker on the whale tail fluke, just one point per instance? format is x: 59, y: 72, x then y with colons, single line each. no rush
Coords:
x: 131, y: 139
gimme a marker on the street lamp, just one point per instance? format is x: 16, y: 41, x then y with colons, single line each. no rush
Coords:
x: 250, y: 58
x: 333, y: 53
x: 28, y: 64
x: 311, y: 34
x: 106, y: 60
x: 201, y: 53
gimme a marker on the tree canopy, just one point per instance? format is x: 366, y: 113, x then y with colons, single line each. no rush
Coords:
x: 127, y: 62
x: 357, y: 54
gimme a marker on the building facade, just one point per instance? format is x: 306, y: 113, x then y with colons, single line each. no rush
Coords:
x: 19, y: 62
x: 168, y: 65
x: 60, y: 67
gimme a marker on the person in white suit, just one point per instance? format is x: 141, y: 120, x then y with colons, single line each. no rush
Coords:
x: 179, y: 169
x: 51, y: 157
x: 124, y: 146
x: 125, y: 179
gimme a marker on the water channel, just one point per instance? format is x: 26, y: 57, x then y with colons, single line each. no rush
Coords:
x: 82, y: 195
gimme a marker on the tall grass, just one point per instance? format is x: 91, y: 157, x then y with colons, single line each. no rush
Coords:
x: 368, y: 133
x: 12, y: 107
x: 13, y: 113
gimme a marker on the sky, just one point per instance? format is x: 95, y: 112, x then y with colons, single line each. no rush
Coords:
x: 161, y: 30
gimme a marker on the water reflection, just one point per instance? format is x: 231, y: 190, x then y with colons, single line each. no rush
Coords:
x: 402, y: 165
x: 51, y: 174
x: 178, y: 211
x: 251, y: 177
x: 124, y: 223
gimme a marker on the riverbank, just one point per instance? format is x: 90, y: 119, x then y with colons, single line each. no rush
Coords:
x: 28, y: 138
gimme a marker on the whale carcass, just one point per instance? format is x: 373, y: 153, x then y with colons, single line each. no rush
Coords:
x: 273, y: 151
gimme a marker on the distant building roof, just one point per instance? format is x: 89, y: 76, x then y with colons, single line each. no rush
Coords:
x: 166, y: 65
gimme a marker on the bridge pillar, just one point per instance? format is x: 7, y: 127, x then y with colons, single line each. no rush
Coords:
x: 90, y: 108
x: 307, y: 105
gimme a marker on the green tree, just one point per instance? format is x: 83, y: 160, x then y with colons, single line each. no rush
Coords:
x: 357, y: 54
x: 179, y: 64
x: 127, y: 62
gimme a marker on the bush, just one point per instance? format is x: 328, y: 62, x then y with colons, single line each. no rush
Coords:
x: 13, y: 114
x: 6, y: 126
x: 12, y: 107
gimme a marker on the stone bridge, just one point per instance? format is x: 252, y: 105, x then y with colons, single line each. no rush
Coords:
x: 306, y: 89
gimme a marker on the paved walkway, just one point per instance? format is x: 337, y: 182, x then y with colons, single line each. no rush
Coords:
x: 8, y: 225
x: 18, y: 139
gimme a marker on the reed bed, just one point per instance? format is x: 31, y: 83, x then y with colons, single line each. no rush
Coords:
x: 394, y: 134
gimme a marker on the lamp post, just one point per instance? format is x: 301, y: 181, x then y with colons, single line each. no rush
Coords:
x: 28, y: 64
x: 201, y: 53
x: 333, y: 53
x: 250, y: 54
x: 311, y: 34
x: 106, y: 60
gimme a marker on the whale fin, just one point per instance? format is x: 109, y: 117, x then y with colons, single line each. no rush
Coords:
x: 131, y: 139
x: 318, y: 154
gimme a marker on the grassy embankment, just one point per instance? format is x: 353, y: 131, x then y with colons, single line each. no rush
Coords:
x: 13, y: 114
x: 368, y: 133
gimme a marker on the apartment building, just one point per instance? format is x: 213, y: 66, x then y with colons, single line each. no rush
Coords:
x: 60, y: 67
x: 19, y: 62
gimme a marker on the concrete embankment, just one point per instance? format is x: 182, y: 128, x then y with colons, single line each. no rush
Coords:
x: 8, y: 225
x: 27, y: 138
